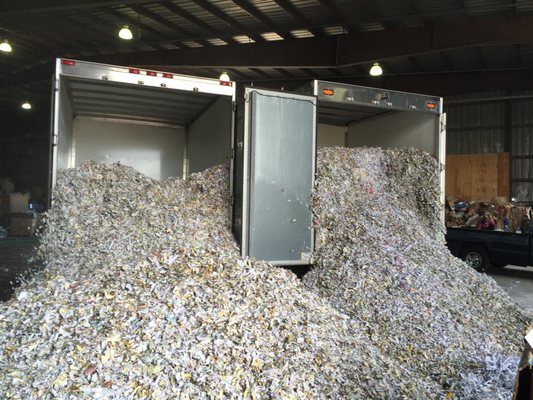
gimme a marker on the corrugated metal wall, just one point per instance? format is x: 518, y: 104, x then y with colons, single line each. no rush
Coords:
x: 494, y: 122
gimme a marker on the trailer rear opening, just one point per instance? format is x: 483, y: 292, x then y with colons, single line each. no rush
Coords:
x: 162, y: 124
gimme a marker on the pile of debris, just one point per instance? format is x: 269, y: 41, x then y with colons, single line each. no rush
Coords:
x: 144, y: 296
x: 496, y: 214
x: 387, y: 267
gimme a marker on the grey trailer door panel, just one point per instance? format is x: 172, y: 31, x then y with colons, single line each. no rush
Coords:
x: 279, y: 167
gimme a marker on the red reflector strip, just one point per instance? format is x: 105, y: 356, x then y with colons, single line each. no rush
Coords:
x: 225, y: 83
x: 431, y: 106
x: 151, y: 73
x: 166, y: 75
x: 134, y: 71
x: 68, y: 62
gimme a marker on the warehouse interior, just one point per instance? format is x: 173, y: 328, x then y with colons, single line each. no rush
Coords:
x: 477, y: 56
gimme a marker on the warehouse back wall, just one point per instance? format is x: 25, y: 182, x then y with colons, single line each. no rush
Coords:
x: 495, y: 122
x: 24, y: 153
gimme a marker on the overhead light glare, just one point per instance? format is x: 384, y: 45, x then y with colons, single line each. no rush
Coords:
x: 26, y: 105
x: 6, y: 47
x: 224, y: 77
x: 376, y: 70
x: 125, y: 33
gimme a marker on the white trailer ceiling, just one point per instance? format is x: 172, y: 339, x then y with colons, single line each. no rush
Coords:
x: 107, y: 99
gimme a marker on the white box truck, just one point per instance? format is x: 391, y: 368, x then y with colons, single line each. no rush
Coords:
x: 168, y: 125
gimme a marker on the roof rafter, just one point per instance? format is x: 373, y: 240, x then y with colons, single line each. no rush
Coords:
x: 481, y: 57
x: 234, y: 71
x: 96, y: 39
x: 37, y: 6
x: 447, y: 62
x: 370, y: 4
x: 194, y: 20
x: 261, y: 17
x: 261, y: 73
x: 227, y: 19
x: 415, y: 63
x: 126, y: 18
x: 23, y: 42
x: 333, y: 10
x: 325, y: 52
x: 309, y: 72
x: 106, y: 28
x: 160, y: 20
x: 443, y: 84
x: 378, y: 45
x: 416, y: 8
x: 285, y: 72
x: 294, y: 12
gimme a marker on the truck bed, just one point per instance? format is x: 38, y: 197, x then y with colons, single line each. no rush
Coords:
x: 501, y: 248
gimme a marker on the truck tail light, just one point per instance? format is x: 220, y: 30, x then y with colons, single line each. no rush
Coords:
x: 151, y: 73
x: 167, y: 75
x: 431, y: 106
x: 225, y: 83
x: 134, y: 71
x: 68, y: 62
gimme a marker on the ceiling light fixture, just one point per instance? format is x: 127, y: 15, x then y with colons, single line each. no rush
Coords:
x: 376, y: 70
x: 224, y: 77
x: 6, y: 47
x: 26, y: 105
x: 125, y: 33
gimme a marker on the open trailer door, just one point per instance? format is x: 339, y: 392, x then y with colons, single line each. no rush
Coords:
x: 278, y: 152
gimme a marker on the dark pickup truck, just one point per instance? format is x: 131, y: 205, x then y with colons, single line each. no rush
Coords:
x: 483, y: 249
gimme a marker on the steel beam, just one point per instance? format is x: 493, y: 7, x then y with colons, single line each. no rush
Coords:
x: 261, y: 17
x: 359, y: 47
x: 344, y: 50
x: 445, y: 84
x: 37, y: 6
x: 297, y: 14
x: 309, y: 52
x: 196, y: 21
x: 227, y: 19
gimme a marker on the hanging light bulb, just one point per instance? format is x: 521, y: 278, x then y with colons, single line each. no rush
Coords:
x: 26, y: 105
x: 376, y: 70
x: 6, y: 47
x: 224, y: 77
x: 125, y: 33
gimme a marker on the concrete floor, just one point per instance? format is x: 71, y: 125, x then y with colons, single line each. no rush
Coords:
x: 518, y: 282
x: 14, y: 255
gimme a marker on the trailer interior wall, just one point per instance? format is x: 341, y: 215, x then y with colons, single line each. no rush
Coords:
x: 330, y: 135
x: 397, y: 130
x: 209, y: 137
x: 155, y: 150
x: 64, y: 139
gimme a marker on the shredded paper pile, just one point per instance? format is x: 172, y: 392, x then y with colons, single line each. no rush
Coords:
x: 144, y: 295
x: 382, y: 260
